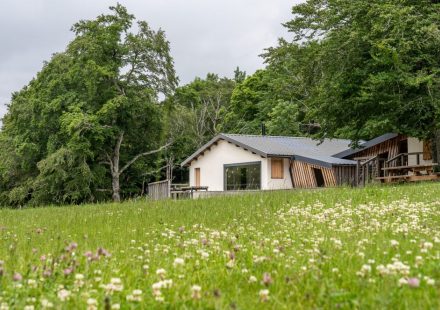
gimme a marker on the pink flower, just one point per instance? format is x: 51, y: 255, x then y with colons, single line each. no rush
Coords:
x: 103, y: 252
x: 267, y: 279
x: 47, y: 273
x: 67, y: 271
x: 17, y: 277
x: 413, y: 282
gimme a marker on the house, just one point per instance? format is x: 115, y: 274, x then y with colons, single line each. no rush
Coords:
x: 231, y: 162
x: 248, y: 162
x: 392, y: 157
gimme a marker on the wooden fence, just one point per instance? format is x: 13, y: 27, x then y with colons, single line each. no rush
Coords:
x: 159, y: 190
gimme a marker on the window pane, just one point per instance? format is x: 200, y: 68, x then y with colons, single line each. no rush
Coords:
x: 243, y: 177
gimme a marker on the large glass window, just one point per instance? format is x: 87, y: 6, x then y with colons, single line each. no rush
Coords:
x: 246, y: 176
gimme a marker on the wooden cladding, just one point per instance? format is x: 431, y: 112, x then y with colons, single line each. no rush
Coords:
x: 389, y: 147
x: 304, y: 175
x: 345, y: 175
x: 427, y: 150
x: 197, y: 172
x: 277, y: 168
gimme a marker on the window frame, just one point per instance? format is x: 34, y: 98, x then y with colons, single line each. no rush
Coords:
x: 225, y: 179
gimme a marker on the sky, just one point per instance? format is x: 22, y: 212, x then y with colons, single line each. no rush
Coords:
x: 205, y: 35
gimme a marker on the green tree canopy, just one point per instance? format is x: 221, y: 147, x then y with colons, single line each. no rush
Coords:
x: 90, y: 116
x: 375, y: 66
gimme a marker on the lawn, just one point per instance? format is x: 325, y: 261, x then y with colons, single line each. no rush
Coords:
x: 371, y: 248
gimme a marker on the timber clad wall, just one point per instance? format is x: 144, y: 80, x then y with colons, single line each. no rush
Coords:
x: 391, y: 146
x: 303, y: 176
x: 345, y: 175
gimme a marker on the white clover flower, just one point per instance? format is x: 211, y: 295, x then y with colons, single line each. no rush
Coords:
x: 429, y: 280
x: 427, y: 245
x: 46, y: 304
x: 161, y: 272
x: 264, y: 295
x: 196, y: 292
x: 136, y: 296
x: 32, y: 283
x: 63, y: 295
x: 178, y: 262
x: 252, y: 279
x: 402, y: 281
x: 92, y: 304
x: 394, y: 243
x: 116, y: 307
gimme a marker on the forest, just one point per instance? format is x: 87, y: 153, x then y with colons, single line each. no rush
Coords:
x: 105, y: 116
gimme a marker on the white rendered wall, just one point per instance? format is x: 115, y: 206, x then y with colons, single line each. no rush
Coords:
x: 284, y: 183
x: 415, y: 145
x: 211, y: 165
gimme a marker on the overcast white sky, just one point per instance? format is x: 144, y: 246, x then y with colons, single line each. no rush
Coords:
x: 206, y: 35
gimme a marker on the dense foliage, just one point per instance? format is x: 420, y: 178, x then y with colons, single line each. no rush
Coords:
x: 91, y: 119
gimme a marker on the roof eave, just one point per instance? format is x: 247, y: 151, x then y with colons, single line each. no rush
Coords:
x: 196, y: 154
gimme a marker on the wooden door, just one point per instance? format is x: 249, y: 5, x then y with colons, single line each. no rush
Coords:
x: 197, y: 176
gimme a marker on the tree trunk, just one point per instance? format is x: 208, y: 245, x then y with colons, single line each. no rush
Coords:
x: 436, y: 148
x: 113, y: 162
x: 116, y: 188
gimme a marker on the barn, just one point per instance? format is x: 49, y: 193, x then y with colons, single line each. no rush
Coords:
x: 231, y: 162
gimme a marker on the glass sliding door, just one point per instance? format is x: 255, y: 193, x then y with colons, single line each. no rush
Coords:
x: 243, y: 176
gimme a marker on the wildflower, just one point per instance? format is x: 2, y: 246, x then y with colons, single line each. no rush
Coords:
x: 115, y: 285
x: 4, y: 306
x: 230, y: 264
x: 63, y: 295
x: 196, y: 292
x: 267, y: 279
x: 79, y: 280
x: 429, y: 281
x: 67, y: 271
x: 394, y: 243
x: 365, y: 270
x: 17, y: 277
x: 413, y: 282
x: 29, y: 307
x: 92, y: 304
x: 178, y: 262
x: 252, y: 279
x: 161, y: 273
x: 103, y: 252
x: 32, y: 283
x: 116, y: 307
x: 135, y: 296
x: 264, y: 295
x: 46, y: 304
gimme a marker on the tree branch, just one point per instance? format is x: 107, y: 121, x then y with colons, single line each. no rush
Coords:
x: 133, y: 160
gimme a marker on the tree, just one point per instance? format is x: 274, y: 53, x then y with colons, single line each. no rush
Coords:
x: 197, y: 110
x: 377, y: 65
x: 90, y: 116
x: 260, y: 99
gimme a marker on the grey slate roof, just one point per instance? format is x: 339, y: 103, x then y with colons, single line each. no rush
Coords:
x: 365, y: 145
x: 299, y: 148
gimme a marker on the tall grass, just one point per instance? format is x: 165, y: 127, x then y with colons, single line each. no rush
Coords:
x: 377, y: 247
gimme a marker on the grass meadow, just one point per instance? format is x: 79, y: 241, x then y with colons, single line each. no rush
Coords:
x: 372, y: 248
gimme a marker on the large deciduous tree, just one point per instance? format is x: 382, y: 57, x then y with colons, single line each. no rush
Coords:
x: 376, y: 65
x: 90, y: 117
